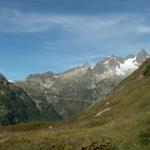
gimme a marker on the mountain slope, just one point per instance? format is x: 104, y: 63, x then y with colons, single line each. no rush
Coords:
x: 125, y: 113
x: 132, y: 92
x: 17, y: 106
x: 120, y: 122
x: 68, y: 95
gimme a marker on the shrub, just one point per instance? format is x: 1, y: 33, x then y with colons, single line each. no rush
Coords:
x: 147, y: 70
x: 144, y: 136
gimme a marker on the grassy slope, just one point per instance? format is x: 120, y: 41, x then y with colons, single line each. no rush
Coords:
x: 127, y: 123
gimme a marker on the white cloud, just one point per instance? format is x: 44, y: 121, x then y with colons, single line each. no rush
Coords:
x: 143, y: 29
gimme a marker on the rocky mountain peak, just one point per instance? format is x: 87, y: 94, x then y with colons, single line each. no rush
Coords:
x: 142, y: 55
x: 44, y: 79
x: 45, y: 75
x: 143, y: 52
x: 85, y: 67
x: 120, y: 66
x: 76, y: 71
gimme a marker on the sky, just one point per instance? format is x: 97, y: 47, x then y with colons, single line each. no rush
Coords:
x: 55, y: 35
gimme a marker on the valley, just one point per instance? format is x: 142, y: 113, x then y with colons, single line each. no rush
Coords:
x: 119, y: 122
x: 74, y: 75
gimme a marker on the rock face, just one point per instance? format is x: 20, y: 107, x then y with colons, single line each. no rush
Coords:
x: 142, y: 55
x: 17, y: 106
x: 70, y: 92
x: 76, y: 89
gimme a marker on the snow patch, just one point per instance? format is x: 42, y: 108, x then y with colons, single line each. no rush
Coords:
x: 110, y: 72
x: 11, y: 81
x: 106, y: 62
x: 56, y: 76
x: 107, y: 103
x: 129, y: 65
x: 92, y: 66
x: 103, y: 111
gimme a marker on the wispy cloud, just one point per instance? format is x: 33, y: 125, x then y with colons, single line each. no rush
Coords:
x: 16, y: 21
x: 81, y: 29
x: 143, y: 29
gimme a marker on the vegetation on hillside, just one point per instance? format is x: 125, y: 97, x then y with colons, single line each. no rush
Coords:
x: 147, y: 70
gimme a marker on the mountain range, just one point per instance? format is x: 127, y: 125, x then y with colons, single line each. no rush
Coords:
x: 72, y: 91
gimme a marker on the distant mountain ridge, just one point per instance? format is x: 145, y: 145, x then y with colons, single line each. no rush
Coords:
x: 73, y: 91
x: 120, y: 66
x: 109, y: 66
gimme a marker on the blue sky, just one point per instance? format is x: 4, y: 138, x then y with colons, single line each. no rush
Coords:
x: 43, y: 35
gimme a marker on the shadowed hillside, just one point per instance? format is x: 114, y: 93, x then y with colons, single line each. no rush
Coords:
x: 17, y: 106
